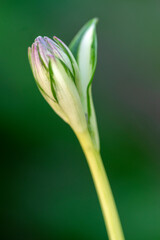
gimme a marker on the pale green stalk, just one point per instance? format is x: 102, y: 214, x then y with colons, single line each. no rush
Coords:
x: 102, y: 186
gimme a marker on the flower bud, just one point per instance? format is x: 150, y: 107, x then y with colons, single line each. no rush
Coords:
x: 55, y: 71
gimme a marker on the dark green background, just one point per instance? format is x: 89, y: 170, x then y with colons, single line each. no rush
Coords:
x: 47, y: 190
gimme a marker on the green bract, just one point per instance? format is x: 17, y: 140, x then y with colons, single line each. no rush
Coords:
x: 84, y: 48
x: 64, y: 76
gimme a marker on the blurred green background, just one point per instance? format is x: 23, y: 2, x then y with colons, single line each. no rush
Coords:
x: 46, y: 189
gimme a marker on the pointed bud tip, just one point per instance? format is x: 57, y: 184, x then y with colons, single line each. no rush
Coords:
x: 29, y: 49
x: 37, y: 39
x: 58, y: 40
x: 45, y: 38
x: 94, y: 21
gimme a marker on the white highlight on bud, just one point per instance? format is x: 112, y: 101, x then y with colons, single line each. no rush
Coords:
x: 67, y: 95
x: 84, y: 61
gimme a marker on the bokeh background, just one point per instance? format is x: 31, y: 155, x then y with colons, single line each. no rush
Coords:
x: 46, y: 189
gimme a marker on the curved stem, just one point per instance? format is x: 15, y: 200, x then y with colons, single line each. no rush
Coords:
x: 103, y: 188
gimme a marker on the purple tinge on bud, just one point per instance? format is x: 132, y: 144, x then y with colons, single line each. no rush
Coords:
x: 42, y: 51
x: 54, y: 47
x: 41, y: 75
x: 47, y: 49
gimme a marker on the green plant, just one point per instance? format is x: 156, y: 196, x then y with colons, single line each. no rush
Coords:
x: 64, y: 77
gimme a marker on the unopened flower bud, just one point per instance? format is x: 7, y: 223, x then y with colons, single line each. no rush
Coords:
x: 55, y: 71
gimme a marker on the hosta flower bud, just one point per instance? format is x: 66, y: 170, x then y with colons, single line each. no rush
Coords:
x: 56, y: 71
